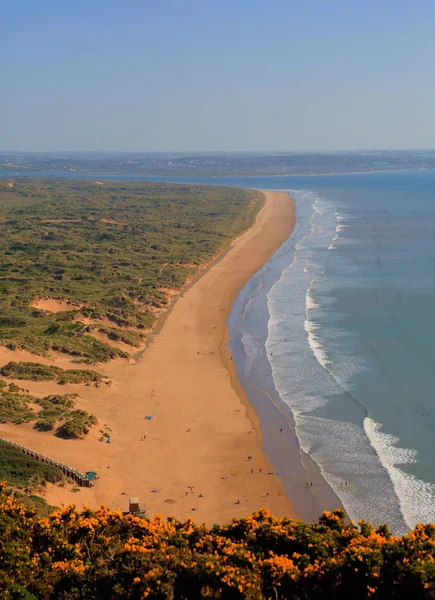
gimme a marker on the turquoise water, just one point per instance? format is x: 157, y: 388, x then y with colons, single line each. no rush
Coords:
x: 341, y: 322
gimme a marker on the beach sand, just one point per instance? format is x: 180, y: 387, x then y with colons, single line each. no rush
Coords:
x: 191, y: 458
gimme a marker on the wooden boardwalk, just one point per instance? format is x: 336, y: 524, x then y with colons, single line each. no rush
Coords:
x: 73, y: 474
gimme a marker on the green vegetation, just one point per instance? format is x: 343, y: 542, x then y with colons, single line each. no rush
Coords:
x: 110, y: 252
x: 37, y: 372
x: 78, y: 424
x: 56, y: 412
x: 23, y: 472
x: 104, y: 555
x: 132, y: 338
x: 26, y: 477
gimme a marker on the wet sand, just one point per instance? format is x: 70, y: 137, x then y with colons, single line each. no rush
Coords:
x: 192, y: 458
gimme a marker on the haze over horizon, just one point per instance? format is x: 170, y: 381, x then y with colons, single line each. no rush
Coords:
x: 140, y: 76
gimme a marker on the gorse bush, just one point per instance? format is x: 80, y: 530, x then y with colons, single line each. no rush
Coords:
x: 106, y: 555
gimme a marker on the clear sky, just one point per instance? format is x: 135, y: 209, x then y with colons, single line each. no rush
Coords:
x: 145, y: 75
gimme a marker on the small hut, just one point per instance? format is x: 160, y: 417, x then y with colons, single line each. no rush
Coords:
x: 134, y: 505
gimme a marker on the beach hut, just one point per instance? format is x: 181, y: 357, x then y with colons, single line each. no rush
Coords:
x: 134, y: 505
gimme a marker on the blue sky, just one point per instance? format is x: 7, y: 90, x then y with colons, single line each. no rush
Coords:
x: 145, y: 75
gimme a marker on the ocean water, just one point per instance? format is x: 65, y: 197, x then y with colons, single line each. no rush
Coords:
x: 350, y: 338
x: 338, y: 329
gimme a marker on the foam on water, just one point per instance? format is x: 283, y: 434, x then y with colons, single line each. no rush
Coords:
x: 292, y: 309
x: 351, y: 467
x: 304, y: 378
x: 310, y: 303
x: 315, y: 344
x: 311, y: 328
x: 333, y: 244
x: 416, y: 497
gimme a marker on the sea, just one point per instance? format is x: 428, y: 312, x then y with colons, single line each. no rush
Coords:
x: 339, y: 328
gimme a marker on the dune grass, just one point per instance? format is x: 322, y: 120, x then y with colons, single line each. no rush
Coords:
x: 27, y: 477
x: 37, y: 372
x: 111, y: 251
x: 56, y: 412
x: 21, y: 471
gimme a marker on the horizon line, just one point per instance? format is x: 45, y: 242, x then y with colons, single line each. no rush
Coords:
x: 317, y: 151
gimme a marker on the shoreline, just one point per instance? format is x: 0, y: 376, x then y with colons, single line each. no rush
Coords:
x: 186, y: 362
x: 254, y: 371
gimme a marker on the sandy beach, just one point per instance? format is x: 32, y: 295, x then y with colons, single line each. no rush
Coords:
x: 200, y: 455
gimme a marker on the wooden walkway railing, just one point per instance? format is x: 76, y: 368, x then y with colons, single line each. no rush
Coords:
x: 66, y: 470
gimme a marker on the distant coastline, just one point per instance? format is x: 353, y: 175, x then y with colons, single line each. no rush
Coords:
x: 213, y: 164
x: 173, y: 177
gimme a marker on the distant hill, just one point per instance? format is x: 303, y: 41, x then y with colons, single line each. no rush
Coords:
x: 218, y: 163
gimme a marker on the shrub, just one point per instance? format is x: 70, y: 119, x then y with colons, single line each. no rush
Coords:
x: 21, y: 471
x: 29, y: 370
x: 77, y: 425
x: 105, y: 555
x: 38, y: 372
x: 15, y: 407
